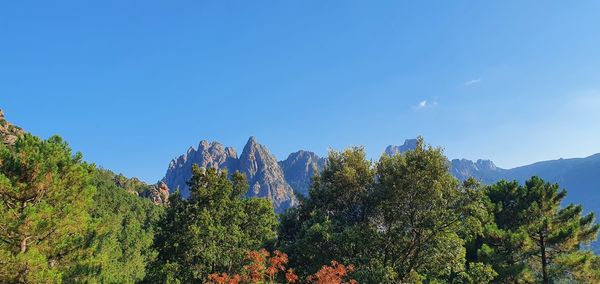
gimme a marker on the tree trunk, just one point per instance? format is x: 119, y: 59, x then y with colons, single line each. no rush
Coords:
x: 545, y: 279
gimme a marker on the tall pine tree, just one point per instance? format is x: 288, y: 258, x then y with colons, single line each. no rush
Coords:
x: 45, y: 192
x: 533, y: 238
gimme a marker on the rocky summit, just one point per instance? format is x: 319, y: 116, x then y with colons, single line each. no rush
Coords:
x: 207, y: 155
x: 8, y: 132
x: 265, y: 176
x: 299, y: 169
x: 409, y: 144
x: 278, y: 181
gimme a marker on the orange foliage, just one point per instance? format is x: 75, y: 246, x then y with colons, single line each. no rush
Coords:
x: 224, y: 278
x: 333, y: 274
x: 266, y: 268
x: 262, y: 268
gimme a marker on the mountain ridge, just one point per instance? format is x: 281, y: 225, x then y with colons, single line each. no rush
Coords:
x: 281, y: 180
x: 263, y: 173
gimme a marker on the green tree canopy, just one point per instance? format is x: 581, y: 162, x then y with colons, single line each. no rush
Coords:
x: 212, y: 230
x: 123, y: 238
x: 404, y: 219
x: 534, y: 239
x: 45, y: 192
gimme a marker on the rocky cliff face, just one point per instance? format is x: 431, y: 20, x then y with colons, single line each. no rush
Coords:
x: 409, y: 144
x: 299, y: 169
x: 208, y: 155
x: 265, y: 176
x: 158, y: 193
x: 483, y: 170
x: 8, y: 132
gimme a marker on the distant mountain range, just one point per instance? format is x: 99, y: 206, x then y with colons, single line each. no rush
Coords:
x: 282, y: 181
x: 579, y: 176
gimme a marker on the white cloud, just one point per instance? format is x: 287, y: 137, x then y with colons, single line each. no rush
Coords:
x: 471, y: 82
x: 425, y: 104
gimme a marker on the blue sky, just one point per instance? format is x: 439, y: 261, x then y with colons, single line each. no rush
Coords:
x: 133, y: 84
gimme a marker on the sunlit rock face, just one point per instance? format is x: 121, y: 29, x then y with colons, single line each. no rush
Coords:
x: 263, y: 172
x: 299, y: 169
x: 9, y: 133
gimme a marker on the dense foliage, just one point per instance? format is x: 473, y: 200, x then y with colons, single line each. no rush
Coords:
x: 62, y: 220
x: 401, y: 219
x: 212, y: 230
x: 405, y: 219
x: 45, y: 226
x: 124, y: 233
x: 532, y: 238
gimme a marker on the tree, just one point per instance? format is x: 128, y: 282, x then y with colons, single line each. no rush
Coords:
x: 212, y: 230
x: 403, y: 220
x: 505, y: 244
x: 557, y: 233
x: 534, y: 234
x: 423, y: 215
x: 45, y: 192
x: 122, y: 243
x: 331, y: 224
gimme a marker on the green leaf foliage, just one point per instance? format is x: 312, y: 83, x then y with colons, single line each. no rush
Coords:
x: 404, y: 219
x: 212, y: 230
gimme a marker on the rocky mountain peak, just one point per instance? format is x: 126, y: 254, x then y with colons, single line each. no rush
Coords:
x: 299, y: 168
x: 9, y: 133
x: 486, y: 165
x: 409, y: 144
x: 265, y: 176
x: 208, y: 155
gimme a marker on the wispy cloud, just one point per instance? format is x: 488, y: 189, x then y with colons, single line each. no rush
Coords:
x: 425, y: 104
x: 472, y: 82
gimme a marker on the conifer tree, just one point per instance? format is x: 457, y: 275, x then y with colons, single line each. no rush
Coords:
x: 557, y: 233
x: 534, y: 239
x: 45, y: 192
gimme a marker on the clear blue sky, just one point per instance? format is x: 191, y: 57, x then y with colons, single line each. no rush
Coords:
x: 133, y: 84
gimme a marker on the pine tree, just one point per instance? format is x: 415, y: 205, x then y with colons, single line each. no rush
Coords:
x: 557, y: 234
x: 505, y: 245
x: 533, y: 238
x: 45, y: 192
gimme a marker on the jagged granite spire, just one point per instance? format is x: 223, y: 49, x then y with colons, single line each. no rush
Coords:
x: 265, y: 176
x: 208, y: 155
x: 409, y: 144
